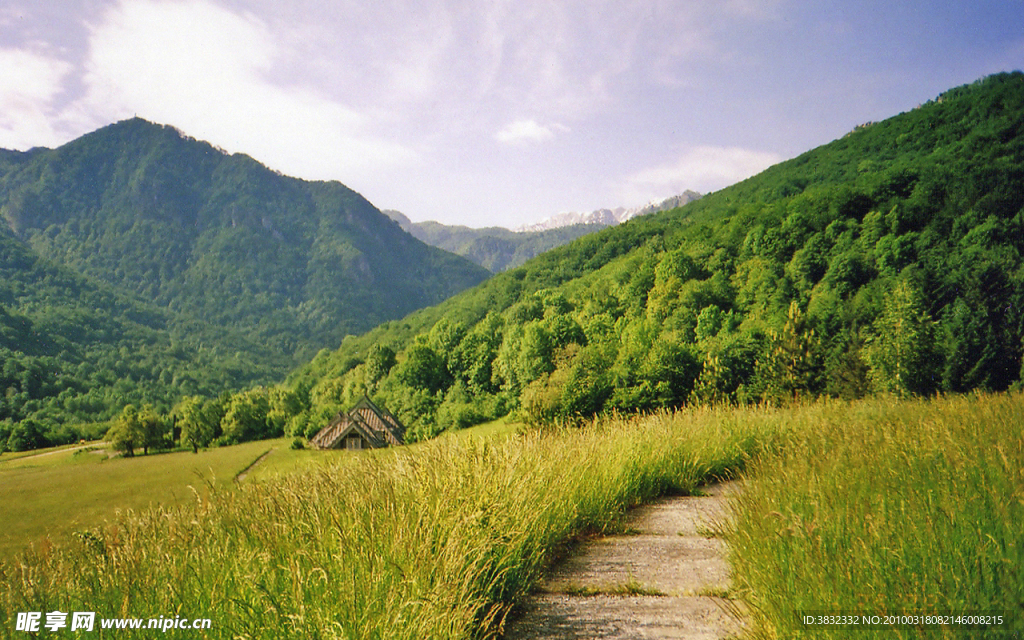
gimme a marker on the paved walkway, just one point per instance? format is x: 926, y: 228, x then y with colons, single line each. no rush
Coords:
x: 665, y: 579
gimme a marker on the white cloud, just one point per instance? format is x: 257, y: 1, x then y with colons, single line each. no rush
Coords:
x: 701, y: 169
x: 29, y: 85
x: 208, y: 71
x: 521, y: 132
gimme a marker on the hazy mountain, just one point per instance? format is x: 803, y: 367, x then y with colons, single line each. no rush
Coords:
x: 610, y: 217
x: 494, y: 248
x: 498, y: 248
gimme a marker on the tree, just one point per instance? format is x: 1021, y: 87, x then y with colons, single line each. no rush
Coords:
x: 793, y: 360
x: 197, y: 422
x: 126, y: 434
x: 153, y: 429
x: 423, y: 368
x: 903, y: 344
x: 379, y: 362
x: 25, y: 435
x: 246, y: 417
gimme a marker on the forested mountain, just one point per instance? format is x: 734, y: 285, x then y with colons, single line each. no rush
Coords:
x: 74, y: 351
x: 293, y: 264
x: 139, y: 265
x: 886, y: 261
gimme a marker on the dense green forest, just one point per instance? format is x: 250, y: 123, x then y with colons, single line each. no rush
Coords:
x: 141, y: 266
x: 75, y: 351
x: 886, y: 261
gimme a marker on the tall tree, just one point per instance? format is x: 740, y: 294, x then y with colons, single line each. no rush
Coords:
x: 902, y: 352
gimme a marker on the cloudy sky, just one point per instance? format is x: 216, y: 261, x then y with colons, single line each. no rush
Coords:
x: 501, y: 112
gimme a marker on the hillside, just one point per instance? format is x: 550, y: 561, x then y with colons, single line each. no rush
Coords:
x: 140, y: 266
x: 294, y: 265
x: 75, y: 350
x: 886, y: 261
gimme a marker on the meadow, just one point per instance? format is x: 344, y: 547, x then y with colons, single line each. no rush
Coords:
x: 45, y: 497
x: 888, y: 508
x: 877, y: 506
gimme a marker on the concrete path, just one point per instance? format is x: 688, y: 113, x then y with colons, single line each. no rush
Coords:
x: 666, y: 578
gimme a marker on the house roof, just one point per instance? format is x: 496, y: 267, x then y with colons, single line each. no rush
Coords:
x: 375, y: 425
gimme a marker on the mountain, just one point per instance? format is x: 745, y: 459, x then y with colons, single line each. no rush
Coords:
x: 610, y: 217
x: 494, y: 248
x: 294, y: 265
x: 498, y: 249
x: 75, y: 350
x: 887, y: 261
x: 140, y: 265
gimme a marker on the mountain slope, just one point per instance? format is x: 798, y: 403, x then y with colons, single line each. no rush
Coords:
x: 886, y: 261
x: 74, y: 350
x: 296, y: 265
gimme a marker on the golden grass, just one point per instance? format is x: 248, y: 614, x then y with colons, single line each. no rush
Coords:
x: 437, y: 541
x: 886, y: 507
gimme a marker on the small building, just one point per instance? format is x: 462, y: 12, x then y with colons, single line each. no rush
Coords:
x: 365, y: 426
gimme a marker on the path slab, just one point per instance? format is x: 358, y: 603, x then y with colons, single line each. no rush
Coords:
x: 672, y: 554
x: 672, y: 565
x: 625, y: 618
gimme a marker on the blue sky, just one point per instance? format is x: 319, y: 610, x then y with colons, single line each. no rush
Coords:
x: 494, y: 112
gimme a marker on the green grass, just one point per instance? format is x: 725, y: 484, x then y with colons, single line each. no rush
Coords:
x: 42, y: 498
x: 887, y: 507
x: 434, y: 541
x: 870, y: 508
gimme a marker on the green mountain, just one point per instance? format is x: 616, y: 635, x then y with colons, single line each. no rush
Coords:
x: 295, y: 265
x: 886, y: 261
x: 140, y: 265
x: 74, y: 350
x: 494, y: 248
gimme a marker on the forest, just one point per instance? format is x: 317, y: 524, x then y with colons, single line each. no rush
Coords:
x: 887, y: 261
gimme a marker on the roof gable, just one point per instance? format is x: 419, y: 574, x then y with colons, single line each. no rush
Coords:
x: 377, y: 426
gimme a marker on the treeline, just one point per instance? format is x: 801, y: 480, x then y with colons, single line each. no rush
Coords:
x: 74, y: 352
x: 886, y: 261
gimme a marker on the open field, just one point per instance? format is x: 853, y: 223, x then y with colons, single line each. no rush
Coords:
x: 871, y: 507
x: 77, y: 488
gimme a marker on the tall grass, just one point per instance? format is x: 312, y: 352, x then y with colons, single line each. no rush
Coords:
x: 886, y: 507
x: 436, y: 542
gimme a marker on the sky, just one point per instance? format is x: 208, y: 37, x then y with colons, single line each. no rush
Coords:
x: 495, y: 112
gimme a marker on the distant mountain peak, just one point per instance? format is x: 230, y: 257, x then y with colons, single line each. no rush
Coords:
x: 609, y: 217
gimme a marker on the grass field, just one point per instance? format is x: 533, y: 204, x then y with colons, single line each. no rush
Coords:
x: 46, y: 494
x: 884, y: 508
x: 875, y: 507
x: 434, y: 541
x: 72, y: 488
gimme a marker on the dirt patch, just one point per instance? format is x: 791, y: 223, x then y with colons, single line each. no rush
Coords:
x: 245, y: 472
x: 664, y: 580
